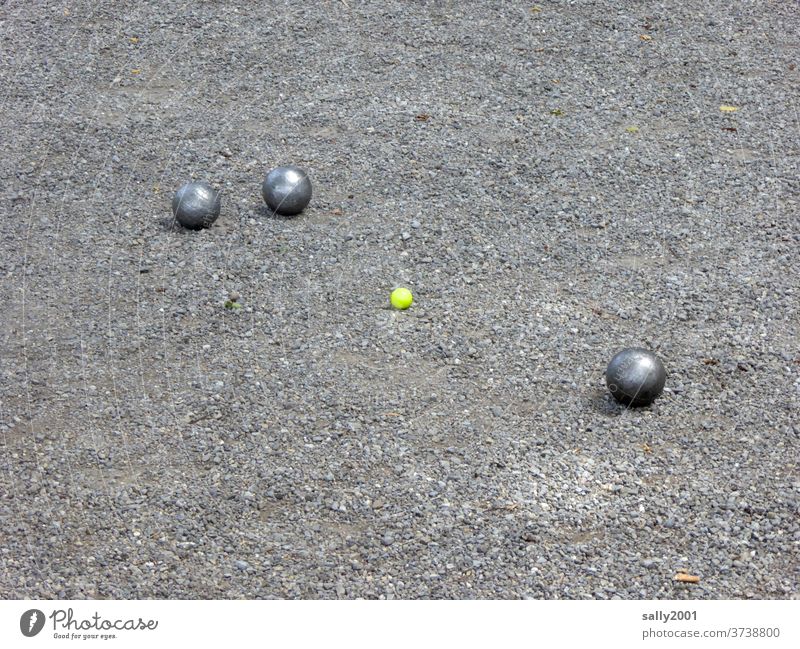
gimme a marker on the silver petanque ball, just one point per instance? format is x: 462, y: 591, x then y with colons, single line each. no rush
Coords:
x: 287, y: 190
x: 196, y: 205
x: 635, y: 377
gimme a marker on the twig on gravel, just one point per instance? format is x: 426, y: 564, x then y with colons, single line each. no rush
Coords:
x: 685, y: 577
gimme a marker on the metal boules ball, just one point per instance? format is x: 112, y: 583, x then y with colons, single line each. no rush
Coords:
x: 196, y: 205
x: 635, y: 377
x: 287, y: 190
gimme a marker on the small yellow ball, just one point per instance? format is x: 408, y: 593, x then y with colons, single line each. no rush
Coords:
x: 401, y: 298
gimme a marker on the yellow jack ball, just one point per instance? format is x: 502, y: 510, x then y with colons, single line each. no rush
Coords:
x: 401, y: 298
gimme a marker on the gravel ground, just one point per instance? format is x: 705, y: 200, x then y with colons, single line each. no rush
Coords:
x: 553, y: 182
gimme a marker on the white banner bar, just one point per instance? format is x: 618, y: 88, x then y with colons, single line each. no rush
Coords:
x: 381, y: 625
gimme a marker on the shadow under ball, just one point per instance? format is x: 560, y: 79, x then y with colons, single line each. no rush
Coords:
x: 286, y: 190
x: 635, y: 377
x: 196, y: 205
